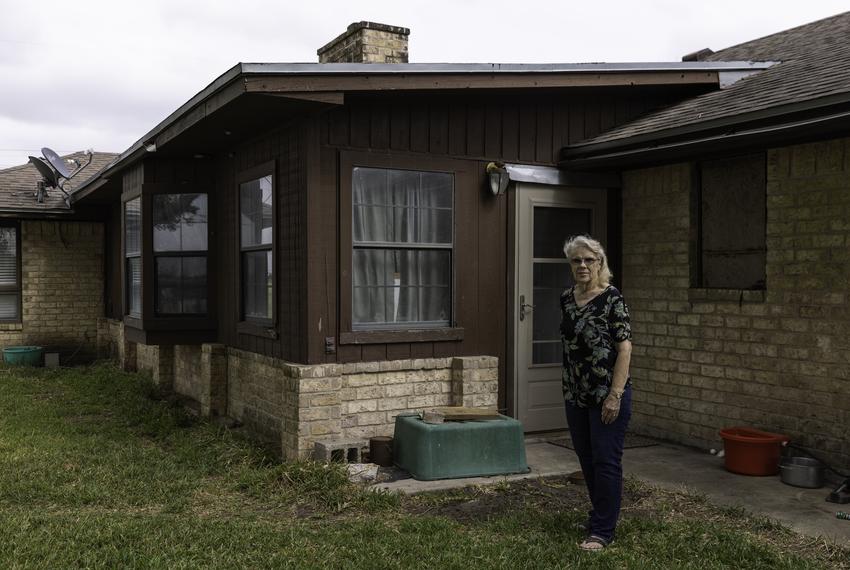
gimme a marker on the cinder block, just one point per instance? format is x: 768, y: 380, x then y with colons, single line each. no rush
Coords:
x: 341, y: 450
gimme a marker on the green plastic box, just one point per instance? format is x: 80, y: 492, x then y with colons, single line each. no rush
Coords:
x: 458, y: 449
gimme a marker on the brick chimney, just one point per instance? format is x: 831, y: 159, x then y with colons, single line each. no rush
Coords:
x: 367, y: 42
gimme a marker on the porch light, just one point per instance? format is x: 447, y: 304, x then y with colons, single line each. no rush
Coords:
x: 498, y: 176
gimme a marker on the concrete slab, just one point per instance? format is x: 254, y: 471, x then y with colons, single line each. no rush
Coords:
x: 675, y: 467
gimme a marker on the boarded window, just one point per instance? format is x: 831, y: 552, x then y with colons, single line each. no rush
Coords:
x: 403, y: 236
x: 732, y: 220
x: 180, y: 253
x: 10, y: 283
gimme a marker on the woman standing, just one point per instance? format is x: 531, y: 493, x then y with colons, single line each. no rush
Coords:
x: 596, y: 335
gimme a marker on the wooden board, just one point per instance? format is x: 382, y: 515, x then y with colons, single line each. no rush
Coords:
x: 456, y: 414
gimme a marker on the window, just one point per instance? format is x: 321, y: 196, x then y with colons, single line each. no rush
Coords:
x: 180, y: 253
x: 732, y: 223
x: 10, y: 283
x: 256, y: 244
x: 402, y: 246
x: 133, y: 256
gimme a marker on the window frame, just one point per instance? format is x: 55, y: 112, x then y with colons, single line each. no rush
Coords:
x: 252, y: 325
x: 18, y: 287
x: 139, y: 255
x: 464, y: 180
x: 155, y: 255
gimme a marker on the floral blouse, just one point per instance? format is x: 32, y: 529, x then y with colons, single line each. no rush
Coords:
x: 589, y: 335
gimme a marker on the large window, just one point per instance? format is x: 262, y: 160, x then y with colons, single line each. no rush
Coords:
x: 402, y: 238
x: 180, y: 253
x: 133, y: 256
x: 10, y: 283
x: 256, y: 243
x: 732, y: 223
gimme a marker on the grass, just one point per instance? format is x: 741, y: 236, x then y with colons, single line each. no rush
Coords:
x: 96, y: 471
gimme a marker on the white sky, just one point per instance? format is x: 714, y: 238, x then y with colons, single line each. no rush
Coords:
x: 101, y: 73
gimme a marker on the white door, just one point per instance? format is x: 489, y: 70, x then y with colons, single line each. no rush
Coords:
x: 546, y: 217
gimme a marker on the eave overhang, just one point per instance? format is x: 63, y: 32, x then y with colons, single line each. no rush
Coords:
x: 776, y: 126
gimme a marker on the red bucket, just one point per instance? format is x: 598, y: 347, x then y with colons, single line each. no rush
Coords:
x: 749, y: 451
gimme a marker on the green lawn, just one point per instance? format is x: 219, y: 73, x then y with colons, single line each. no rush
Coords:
x: 96, y: 471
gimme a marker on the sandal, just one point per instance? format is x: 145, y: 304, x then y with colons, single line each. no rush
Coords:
x: 594, y: 543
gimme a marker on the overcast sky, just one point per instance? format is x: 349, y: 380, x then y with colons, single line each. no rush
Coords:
x: 101, y: 73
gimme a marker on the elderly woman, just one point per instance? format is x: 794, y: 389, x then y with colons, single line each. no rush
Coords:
x: 596, y: 335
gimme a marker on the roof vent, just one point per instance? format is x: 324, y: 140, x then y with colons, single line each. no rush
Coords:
x: 367, y: 42
x: 700, y: 55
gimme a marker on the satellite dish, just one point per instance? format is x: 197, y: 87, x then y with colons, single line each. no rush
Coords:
x: 56, y: 162
x: 51, y: 177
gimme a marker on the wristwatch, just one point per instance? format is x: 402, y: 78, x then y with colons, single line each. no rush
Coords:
x: 617, y: 395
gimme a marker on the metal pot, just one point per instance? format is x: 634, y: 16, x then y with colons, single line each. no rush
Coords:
x: 801, y: 472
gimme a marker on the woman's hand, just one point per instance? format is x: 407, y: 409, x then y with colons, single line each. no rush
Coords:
x: 610, y: 409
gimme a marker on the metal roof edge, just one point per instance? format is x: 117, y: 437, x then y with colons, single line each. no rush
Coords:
x: 472, y: 68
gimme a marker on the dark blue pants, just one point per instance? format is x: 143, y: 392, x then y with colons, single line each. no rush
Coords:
x: 600, y: 451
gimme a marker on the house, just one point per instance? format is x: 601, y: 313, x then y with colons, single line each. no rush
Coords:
x: 312, y: 249
x: 51, y: 263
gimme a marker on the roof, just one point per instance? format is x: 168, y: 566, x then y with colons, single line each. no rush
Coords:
x: 319, y: 82
x: 18, y: 184
x: 813, y: 70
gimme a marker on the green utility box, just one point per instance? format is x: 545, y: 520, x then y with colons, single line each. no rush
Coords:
x: 459, y: 449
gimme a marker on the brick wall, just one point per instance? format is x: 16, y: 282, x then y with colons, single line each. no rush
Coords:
x: 776, y: 360
x: 62, y: 289
x: 298, y: 405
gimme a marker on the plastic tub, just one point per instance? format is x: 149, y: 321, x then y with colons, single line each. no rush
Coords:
x: 24, y: 355
x: 749, y: 451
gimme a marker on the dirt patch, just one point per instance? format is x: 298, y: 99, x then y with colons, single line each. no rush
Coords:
x: 484, y: 502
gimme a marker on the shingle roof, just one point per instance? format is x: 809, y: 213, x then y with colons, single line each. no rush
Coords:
x: 814, y: 64
x: 18, y: 183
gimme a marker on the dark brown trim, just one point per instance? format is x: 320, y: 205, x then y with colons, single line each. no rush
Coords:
x: 255, y: 328
x: 390, y: 336
x: 462, y: 171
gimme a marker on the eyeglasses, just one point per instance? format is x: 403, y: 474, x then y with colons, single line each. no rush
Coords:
x: 587, y: 261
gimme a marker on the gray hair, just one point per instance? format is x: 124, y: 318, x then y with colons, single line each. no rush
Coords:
x: 594, y: 246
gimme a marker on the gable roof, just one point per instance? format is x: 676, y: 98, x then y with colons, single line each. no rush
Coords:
x: 329, y: 83
x: 18, y: 185
x: 813, y: 71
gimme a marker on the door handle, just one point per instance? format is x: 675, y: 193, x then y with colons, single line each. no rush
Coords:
x: 523, y: 306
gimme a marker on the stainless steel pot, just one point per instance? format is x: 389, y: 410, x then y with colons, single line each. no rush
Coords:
x: 801, y: 472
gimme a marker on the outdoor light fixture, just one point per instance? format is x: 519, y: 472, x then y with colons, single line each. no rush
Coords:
x: 498, y: 176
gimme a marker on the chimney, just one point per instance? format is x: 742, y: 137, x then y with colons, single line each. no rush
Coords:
x: 698, y: 55
x: 367, y: 42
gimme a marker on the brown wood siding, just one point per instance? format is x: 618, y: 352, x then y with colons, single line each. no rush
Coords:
x: 493, y: 126
x: 478, y: 129
x: 285, y: 147
x: 512, y: 128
